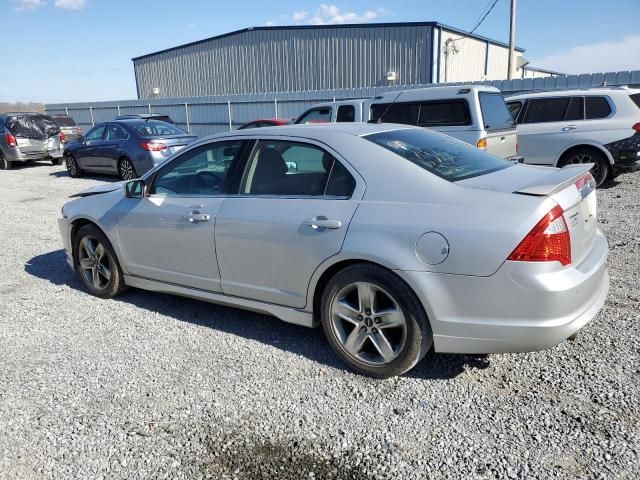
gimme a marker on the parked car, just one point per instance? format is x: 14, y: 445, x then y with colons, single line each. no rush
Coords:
x: 599, y: 126
x: 68, y: 126
x: 147, y: 116
x: 128, y: 148
x: 474, y: 114
x: 26, y: 137
x: 266, y: 122
x: 393, y: 238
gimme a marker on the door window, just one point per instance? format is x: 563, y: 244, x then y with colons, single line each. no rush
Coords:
x: 575, y: 110
x: 95, y: 134
x: 514, y: 109
x: 542, y: 110
x: 317, y: 115
x: 293, y: 168
x: 346, y: 113
x: 202, y: 171
x: 495, y: 114
x: 596, y: 107
x: 404, y: 113
x: 114, y: 132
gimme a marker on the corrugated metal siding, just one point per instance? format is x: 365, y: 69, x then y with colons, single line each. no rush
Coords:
x: 209, y: 115
x: 466, y: 65
x: 260, y: 61
x: 498, y: 63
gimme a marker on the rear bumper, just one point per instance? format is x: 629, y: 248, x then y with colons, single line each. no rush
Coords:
x: 16, y: 155
x: 522, y: 307
x: 627, y: 164
x: 515, y: 159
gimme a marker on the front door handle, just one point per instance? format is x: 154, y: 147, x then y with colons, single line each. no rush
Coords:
x: 322, y: 222
x: 569, y: 127
x: 197, y: 217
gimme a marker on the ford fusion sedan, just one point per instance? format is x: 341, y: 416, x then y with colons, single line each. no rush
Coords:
x: 128, y: 148
x: 395, y: 239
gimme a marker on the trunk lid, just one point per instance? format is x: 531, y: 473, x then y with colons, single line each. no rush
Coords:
x: 502, y: 143
x: 174, y: 142
x: 570, y: 187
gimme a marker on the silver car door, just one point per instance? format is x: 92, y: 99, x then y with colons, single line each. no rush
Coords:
x: 292, y: 212
x: 168, y: 235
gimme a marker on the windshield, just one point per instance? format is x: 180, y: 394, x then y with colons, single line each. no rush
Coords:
x: 156, y: 128
x: 448, y: 159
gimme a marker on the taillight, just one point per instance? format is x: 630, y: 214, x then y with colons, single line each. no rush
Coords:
x: 61, y: 137
x: 79, y: 131
x: 636, y: 127
x: 482, y: 144
x: 11, y: 140
x: 153, y: 147
x: 548, y: 241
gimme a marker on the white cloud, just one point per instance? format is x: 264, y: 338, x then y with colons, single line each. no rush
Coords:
x: 70, y: 4
x: 609, y: 56
x: 270, y: 23
x: 191, y: 26
x: 332, y: 14
x: 28, y: 4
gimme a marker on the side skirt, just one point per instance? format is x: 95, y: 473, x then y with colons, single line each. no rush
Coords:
x: 286, y: 314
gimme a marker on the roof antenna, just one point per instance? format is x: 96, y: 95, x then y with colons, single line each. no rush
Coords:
x: 389, y: 107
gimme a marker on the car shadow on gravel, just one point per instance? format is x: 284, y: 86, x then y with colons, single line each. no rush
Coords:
x: 306, y: 342
x: 101, y: 178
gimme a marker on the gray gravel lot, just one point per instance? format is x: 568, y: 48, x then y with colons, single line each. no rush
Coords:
x: 154, y: 386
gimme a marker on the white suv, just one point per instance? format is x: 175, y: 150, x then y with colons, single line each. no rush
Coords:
x: 475, y: 114
x: 598, y: 125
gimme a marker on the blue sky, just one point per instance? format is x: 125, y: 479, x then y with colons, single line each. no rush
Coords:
x: 80, y: 50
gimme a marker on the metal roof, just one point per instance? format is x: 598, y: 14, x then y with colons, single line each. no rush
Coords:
x: 339, y: 26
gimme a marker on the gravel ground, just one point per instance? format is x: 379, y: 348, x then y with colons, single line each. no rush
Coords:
x: 154, y: 386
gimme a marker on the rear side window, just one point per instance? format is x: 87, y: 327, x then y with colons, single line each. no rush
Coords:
x: 451, y: 160
x: 596, y: 107
x: 636, y: 99
x: 317, y: 115
x: 576, y: 109
x: 495, y: 114
x: 346, y: 113
x: 456, y: 112
x: 405, y: 113
x: 542, y: 110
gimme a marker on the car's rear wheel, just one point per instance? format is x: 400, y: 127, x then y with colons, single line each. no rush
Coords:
x: 374, y: 321
x: 126, y: 169
x: 73, y: 169
x: 96, y: 263
x: 56, y: 161
x: 4, y: 163
x: 601, y: 167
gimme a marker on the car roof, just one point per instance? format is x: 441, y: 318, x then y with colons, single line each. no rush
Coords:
x: 446, y: 90
x: 575, y: 92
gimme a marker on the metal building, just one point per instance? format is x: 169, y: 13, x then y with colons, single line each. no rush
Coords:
x: 310, y: 57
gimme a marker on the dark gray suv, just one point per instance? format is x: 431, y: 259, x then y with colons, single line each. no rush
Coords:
x: 29, y: 136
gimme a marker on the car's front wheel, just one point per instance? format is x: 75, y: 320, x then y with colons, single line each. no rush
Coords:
x: 73, y: 169
x: 374, y: 321
x: 96, y: 263
x: 126, y: 169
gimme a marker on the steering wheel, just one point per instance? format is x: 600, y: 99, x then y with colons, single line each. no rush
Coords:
x: 206, y: 182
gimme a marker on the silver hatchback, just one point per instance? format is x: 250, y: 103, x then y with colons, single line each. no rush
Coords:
x: 395, y: 239
x: 29, y: 136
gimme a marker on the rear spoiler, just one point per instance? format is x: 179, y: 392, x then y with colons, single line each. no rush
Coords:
x: 558, y: 180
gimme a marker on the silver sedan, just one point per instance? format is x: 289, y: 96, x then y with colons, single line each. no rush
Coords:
x: 395, y: 239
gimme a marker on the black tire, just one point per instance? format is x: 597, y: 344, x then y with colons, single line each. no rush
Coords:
x: 4, y: 163
x: 56, y: 161
x: 602, y: 169
x: 417, y: 336
x: 126, y: 169
x: 73, y: 169
x: 104, y: 287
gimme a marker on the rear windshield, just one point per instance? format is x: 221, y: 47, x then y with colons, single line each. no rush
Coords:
x: 37, y: 127
x: 448, y: 159
x: 156, y: 128
x: 495, y: 113
x: 64, y: 121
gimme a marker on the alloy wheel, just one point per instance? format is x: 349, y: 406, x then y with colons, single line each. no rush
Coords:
x: 72, y: 166
x: 94, y: 263
x: 586, y: 158
x: 368, y: 323
x: 127, y: 172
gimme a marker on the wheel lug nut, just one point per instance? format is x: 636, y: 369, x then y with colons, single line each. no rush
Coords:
x: 368, y: 312
x: 377, y: 320
x: 375, y: 330
x: 359, y: 317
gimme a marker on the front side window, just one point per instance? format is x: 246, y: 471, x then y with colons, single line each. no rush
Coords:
x: 294, y: 169
x: 596, y: 107
x: 95, y: 134
x: 541, y: 110
x: 450, y: 160
x: 495, y: 113
x: 346, y: 113
x: 317, y: 115
x: 198, y: 172
x: 514, y: 109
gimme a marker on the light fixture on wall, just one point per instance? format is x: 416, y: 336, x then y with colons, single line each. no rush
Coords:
x: 392, y: 76
x: 155, y: 91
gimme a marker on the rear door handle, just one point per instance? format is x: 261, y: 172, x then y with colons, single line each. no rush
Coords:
x: 197, y: 217
x: 569, y: 127
x: 322, y: 222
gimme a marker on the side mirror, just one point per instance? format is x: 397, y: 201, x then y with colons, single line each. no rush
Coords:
x: 134, y: 189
